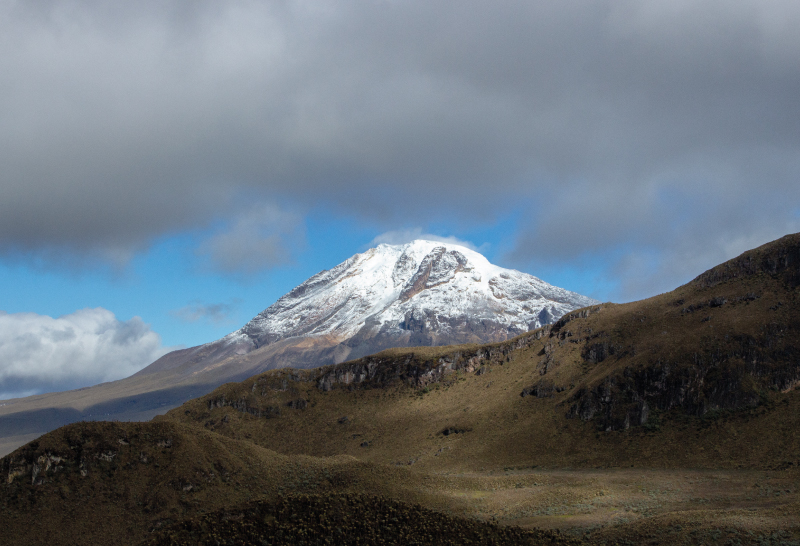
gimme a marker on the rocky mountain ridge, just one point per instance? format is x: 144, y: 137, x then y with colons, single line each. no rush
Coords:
x: 421, y: 293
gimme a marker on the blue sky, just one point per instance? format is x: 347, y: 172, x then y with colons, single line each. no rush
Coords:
x: 189, y: 162
x: 188, y: 303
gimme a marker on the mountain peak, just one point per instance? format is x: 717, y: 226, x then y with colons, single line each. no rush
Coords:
x: 419, y: 293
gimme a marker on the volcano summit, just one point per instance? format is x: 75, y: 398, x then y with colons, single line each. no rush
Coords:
x: 422, y: 293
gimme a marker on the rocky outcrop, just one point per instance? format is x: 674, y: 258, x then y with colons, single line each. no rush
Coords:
x: 436, y: 268
x: 85, y: 450
x: 542, y: 389
x: 243, y: 406
x: 415, y: 369
x: 730, y: 373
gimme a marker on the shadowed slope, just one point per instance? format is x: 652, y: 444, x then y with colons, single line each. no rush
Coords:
x: 345, y: 520
x: 104, y: 483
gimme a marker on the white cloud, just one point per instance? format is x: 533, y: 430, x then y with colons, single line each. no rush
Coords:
x: 39, y: 353
x: 402, y: 236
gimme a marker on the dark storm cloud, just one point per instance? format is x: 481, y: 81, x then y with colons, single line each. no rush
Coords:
x: 641, y: 124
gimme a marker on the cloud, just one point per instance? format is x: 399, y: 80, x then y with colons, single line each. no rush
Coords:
x: 39, y: 353
x: 122, y: 125
x: 669, y: 237
x: 260, y: 237
x: 216, y: 313
x: 403, y: 236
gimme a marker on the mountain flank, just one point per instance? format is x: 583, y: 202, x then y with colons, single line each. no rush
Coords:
x: 419, y: 294
x: 423, y: 293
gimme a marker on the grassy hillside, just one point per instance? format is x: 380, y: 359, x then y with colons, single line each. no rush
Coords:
x: 89, y: 483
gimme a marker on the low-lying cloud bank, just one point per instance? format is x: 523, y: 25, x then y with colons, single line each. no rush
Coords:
x: 40, y: 354
x: 403, y: 236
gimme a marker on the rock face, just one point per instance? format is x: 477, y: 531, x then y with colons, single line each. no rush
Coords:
x: 725, y: 373
x: 419, y: 294
x: 719, y: 343
x: 406, y: 368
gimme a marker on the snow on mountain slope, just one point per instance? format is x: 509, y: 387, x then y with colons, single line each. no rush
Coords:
x: 420, y: 293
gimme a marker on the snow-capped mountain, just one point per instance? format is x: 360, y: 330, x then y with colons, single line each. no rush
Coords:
x: 420, y: 293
